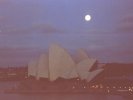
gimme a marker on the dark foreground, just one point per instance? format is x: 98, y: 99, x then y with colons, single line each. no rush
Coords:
x: 53, y: 96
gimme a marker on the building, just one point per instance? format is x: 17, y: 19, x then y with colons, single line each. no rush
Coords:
x: 58, y: 63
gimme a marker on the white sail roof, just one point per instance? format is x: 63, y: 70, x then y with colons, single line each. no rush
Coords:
x: 43, y: 69
x: 84, y: 67
x: 73, y: 73
x: 93, y: 74
x: 81, y: 55
x: 92, y: 62
x: 32, y: 68
x: 70, y: 74
x: 60, y: 63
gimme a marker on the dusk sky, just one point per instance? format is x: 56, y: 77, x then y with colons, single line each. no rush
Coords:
x: 28, y: 27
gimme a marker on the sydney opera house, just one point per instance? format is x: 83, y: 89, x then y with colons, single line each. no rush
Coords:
x: 59, y: 71
x: 58, y: 63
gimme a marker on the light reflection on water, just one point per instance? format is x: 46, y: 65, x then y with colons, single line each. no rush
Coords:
x: 5, y: 85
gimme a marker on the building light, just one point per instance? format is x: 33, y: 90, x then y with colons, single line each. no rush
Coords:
x: 73, y: 87
x: 108, y: 91
x: 78, y: 79
x: 114, y: 87
x: 93, y: 86
x: 130, y: 89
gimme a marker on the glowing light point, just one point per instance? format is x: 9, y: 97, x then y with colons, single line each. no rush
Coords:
x: 87, y: 17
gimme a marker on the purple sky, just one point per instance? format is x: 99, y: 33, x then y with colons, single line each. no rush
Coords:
x: 28, y: 27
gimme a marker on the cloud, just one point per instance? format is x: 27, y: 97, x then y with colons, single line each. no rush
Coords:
x: 4, y: 2
x: 10, y: 56
x: 126, y: 24
x: 44, y: 28
x: 25, y: 17
x: 38, y: 28
x: 126, y: 27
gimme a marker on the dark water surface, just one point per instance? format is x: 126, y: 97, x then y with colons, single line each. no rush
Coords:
x: 6, y: 85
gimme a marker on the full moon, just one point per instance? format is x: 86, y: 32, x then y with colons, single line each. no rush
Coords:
x: 87, y: 17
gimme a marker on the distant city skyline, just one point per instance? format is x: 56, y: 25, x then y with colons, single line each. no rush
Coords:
x: 28, y: 27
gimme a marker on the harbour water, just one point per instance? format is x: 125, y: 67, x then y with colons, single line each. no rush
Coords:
x: 7, y: 96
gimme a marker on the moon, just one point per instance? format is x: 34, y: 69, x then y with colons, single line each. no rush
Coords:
x: 87, y: 17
